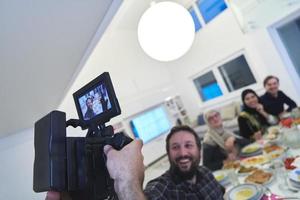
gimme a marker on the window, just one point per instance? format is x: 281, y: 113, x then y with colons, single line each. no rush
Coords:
x: 150, y: 124
x: 195, y: 19
x: 211, y: 8
x: 224, y: 78
x: 236, y: 74
x: 208, y: 86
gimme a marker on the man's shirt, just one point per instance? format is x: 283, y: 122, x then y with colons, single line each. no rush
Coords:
x: 275, y: 105
x: 171, y: 187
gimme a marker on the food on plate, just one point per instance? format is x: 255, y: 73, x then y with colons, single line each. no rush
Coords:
x: 288, y: 163
x: 251, y: 148
x: 246, y: 169
x: 272, y: 133
x: 272, y: 136
x: 269, y: 149
x: 255, y: 160
x: 288, y: 122
x: 296, y: 121
x: 231, y: 165
x: 219, y: 177
x: 244, y: 194
x: 259, y: 177
x: 275, y: 155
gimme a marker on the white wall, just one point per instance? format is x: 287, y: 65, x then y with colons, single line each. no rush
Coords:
x: 16, y: 158
x: 218, y: 41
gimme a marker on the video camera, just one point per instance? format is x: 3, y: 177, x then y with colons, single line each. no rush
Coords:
x: 77, y: 165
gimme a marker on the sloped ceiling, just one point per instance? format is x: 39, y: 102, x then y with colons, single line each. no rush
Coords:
x: 42, y: 44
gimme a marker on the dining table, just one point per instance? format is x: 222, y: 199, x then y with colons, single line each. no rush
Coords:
x: 278, y: 187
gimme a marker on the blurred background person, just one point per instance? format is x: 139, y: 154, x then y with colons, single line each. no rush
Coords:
x: 274, y: 99
x: 219, y: 145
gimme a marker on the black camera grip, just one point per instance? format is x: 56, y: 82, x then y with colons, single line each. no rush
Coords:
x: 119, y: 140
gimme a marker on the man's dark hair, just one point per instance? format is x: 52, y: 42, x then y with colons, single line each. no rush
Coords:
x: 269, y: 78
x: 88, y: 99
x: 176, y: 129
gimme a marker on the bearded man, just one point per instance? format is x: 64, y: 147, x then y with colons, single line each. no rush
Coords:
x: 185, y: 180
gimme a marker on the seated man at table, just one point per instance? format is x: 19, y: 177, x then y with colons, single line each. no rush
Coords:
x: 274, y: 99
x: 219, y: 145
x: 185, y: 179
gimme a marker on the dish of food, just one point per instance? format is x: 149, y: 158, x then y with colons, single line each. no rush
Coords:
x: 295, y: 175
x: 271, y: 148
x: 259, y: 177
x: 245, y: 192
x: 251, y: 148
x: 222, y: 177
x: 231, y: 165
x: 255, y: 160
x: 245, y: 170
x: 219, y: 175
x: 273, y: 133
x: 276, y: 154
x: 288, y: 163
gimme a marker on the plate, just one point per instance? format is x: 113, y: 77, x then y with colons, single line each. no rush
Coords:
x: 293, y: 185
x: 251, y: 148
x: 245, y: 192
x: 256, y: 153
x: 244, y: 171
x: 254, y: 161
x: 221, y: 176
x: 272, y: 148
x: 294, y: 175
x: 278, y: 154
x: 273, y: 133
x: 259, y: 175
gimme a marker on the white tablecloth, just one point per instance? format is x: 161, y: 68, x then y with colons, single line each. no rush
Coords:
x: 276, y: 184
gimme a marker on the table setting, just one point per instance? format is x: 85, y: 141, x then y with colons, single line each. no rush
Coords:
x: 268, y: 169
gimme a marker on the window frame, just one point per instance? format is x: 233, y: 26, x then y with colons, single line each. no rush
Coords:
x: 221, y: 82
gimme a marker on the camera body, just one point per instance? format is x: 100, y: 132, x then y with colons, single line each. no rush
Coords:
x: 77, y: 165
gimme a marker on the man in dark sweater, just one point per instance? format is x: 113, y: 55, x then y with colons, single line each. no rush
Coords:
x: 274, y: 99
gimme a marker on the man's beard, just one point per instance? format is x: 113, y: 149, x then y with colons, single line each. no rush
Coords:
x: 184, y: 175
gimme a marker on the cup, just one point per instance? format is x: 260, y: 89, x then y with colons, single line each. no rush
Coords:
x: 233, y: 177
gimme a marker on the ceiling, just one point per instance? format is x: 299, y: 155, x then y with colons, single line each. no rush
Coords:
x: 44, y: 44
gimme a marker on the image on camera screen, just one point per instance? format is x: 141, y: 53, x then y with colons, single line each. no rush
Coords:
x: 94, y: 102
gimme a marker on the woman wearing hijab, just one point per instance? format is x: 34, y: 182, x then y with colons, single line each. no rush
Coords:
x: 219, y: 144
x: 253, y: 120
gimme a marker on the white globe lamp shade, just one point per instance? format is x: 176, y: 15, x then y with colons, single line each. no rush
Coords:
x: 166, y: 31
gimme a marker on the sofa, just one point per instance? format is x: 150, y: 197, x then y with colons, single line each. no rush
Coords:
x: 229, y: 113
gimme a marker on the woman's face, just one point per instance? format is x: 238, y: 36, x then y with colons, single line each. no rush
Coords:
x: 251, y: 100
x: 214, y: 119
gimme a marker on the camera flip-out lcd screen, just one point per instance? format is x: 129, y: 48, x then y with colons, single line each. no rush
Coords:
x: 96, y: 102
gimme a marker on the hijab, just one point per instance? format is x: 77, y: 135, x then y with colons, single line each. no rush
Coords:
x: 215, y: 136
x: 245, y: 107
x: 255, y: 118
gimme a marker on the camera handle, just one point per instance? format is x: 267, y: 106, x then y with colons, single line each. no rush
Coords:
x: 99, y: 184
